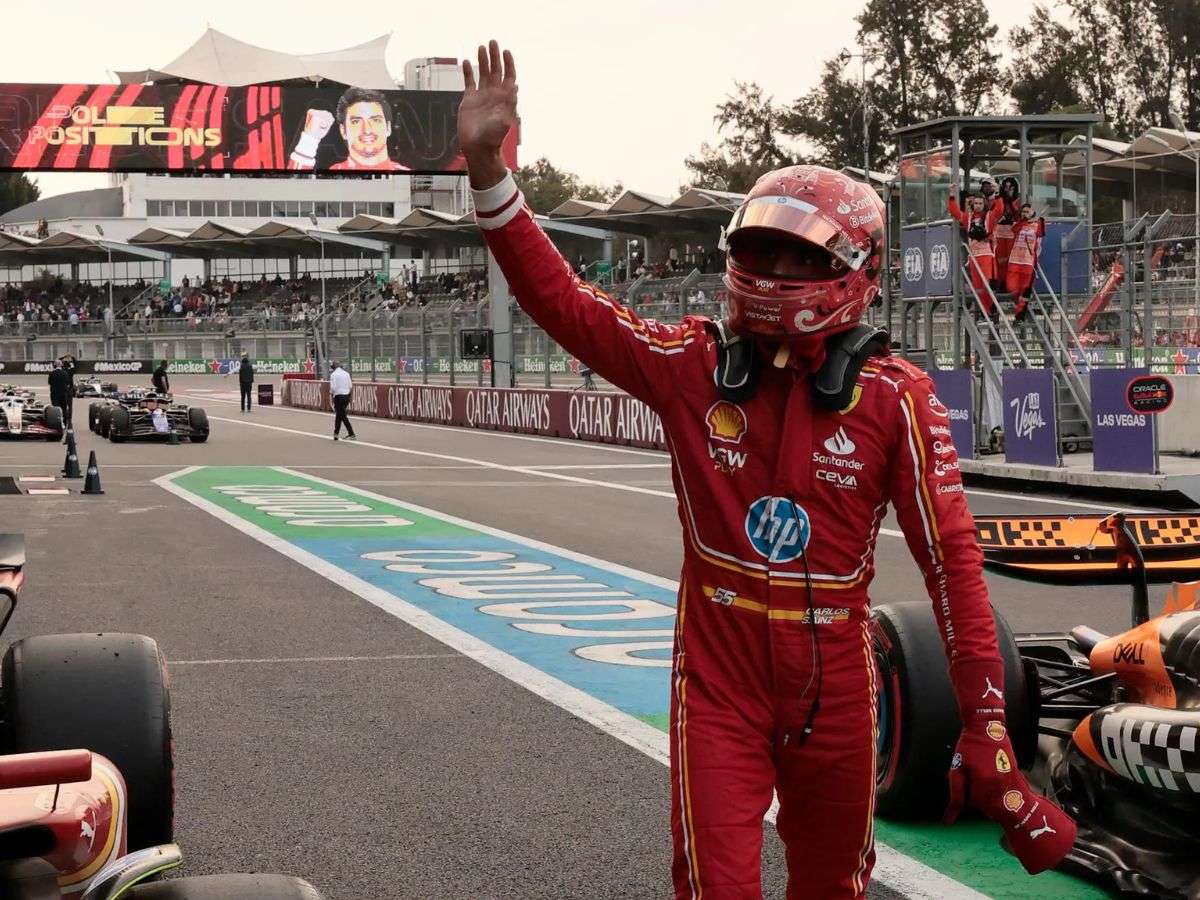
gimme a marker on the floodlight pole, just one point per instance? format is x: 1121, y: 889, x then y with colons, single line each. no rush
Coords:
x: 862, y: 56
x: 324, y: 309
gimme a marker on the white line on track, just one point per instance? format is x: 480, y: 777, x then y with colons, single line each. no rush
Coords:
x: 487, y: 464
x: 588, y: 445
x: 311, y: 659
x: 483, y: 463
x: 662, y: 465
x: 608, y: 448
x: 909, y: 876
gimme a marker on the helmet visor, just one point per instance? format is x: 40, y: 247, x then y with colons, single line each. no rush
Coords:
x: 801, y: 220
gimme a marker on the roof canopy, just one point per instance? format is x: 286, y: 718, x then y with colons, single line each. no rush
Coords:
x: 217, y: 58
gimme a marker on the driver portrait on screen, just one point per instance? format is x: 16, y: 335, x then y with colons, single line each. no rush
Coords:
x: 365, y: 121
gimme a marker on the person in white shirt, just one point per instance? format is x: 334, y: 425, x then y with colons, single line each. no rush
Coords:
x: 340, y: 386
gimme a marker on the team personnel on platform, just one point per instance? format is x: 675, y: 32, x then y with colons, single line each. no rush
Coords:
x: 977, y: 222
x: 340, y: 386
x: 1022, y: 260
x: 1002, y: 236
x: 774, y: 686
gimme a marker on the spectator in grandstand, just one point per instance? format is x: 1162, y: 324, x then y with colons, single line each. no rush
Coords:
x: 1022, y: 261
x: 159, y: 379
x: 977, y: 222
x: 246, y: 381
x: 340, y: 386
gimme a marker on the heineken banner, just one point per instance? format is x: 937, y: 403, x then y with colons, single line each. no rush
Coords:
x: 609, y: 418
x: 114, y: 367
x: 384, y: 365
x: 1163, y: 360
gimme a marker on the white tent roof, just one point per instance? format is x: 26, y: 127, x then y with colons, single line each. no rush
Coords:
x: 217, y: 58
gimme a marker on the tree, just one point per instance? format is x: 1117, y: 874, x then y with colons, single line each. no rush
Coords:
x: 1133, y: 61
x: 752, y: 142
x: 1046, y: 60
x: 830, y: 118
x: 16, y: 190
x: 546, y: 186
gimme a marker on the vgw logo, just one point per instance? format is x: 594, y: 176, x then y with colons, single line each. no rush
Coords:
x: 778, y: 529
x: 914, y: 264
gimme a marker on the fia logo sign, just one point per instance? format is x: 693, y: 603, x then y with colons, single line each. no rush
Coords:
x: 1027, y: 416
x: 939, y: 262
x: 914, y: 264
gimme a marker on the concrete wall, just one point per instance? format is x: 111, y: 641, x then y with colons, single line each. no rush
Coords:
x: 1179, y: 426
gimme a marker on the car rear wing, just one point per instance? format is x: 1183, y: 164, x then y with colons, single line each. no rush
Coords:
x: 1082, y: 550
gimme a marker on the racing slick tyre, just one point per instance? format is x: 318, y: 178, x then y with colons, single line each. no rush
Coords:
x: 198, y: 422
x: 118, y: 425
x: 54, y: 419
x: 108, y: 693
x: 919, y: 723
x: 94, y: 418
x: 227, y: 887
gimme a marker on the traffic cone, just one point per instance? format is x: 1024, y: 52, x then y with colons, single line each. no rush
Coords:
x: 71, y: 466
x: 92, y: 484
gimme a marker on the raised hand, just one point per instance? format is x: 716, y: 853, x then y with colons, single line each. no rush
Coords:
x: 317, y: 122
x: 487, y: 112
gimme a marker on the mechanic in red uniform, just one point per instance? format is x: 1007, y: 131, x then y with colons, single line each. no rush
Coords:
x: 1022, y: 259
x: 1002, y: 236
x: 978, y: 221
x: 774, y: 685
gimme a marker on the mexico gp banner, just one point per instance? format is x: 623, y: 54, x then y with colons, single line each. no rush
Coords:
x: 205, y: 127
x: 1122, y: 440
x: 1030, y: 417
x: 607, y: 418
x: 956, y: 389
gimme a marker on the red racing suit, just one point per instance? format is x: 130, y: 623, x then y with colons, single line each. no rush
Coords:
x: 774, y: 494
x: 1002, y: 237
x: 981, y: 261
x: 1022, y: 259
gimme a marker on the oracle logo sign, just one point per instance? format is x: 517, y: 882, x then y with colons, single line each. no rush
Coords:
x: 1149, y: 394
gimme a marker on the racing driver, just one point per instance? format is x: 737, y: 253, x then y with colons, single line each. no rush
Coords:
x: 783, y: 470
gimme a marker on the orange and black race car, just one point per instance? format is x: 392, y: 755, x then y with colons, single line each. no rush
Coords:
x: 1106, y: 725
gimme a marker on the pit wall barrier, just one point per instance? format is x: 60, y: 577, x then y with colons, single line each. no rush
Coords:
x: 603, y: 417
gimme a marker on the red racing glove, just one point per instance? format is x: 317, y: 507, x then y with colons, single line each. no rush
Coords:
x: 984, y: 773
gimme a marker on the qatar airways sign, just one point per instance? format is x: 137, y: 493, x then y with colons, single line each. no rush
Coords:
x: 605, y: 417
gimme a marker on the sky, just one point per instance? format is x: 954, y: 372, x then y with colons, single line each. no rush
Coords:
x: 614, y: 91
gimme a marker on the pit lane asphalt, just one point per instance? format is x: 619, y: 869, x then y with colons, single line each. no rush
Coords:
x: 317, y: 735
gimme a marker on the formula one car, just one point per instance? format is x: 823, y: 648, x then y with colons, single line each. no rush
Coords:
x: 92, y: 386
x: 1107, y: 726
x: 23, y: 417
x: 87, y: 776
x: 146, y: 415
